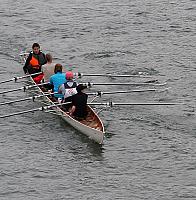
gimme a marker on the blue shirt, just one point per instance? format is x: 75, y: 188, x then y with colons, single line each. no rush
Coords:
x: 57, y: 80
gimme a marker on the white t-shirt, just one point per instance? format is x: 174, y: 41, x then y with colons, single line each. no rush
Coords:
x: 70, y: 91
x: 48, y: 70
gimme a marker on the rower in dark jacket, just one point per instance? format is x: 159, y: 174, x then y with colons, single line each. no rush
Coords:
x: 79, y: 103
x: 34, y: 62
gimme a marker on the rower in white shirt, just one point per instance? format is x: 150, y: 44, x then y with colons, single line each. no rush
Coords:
x: 68, y: 89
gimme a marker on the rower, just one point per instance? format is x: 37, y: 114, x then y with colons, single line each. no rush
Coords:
x: 57, y: 80
x: 34, y: 62
x: 79, y: 103
x: 68, y: 88
x: 48, y: 68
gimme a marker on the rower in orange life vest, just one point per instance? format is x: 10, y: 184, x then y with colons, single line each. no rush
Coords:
x: 34, y: 62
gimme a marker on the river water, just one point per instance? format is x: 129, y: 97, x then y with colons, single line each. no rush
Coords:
x: 149, y: 152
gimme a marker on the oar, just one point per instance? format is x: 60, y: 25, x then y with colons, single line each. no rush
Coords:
x: 111, y: 104
x: 100, y: 93
x: 27, y: 98
x: 137, y: 84
x: 23, y: 54
x: 80, y: 75
x: 20, y: 77
x: 23, y: 88
x: 43, y: 108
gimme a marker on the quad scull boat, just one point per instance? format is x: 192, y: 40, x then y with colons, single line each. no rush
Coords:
x: 92, y: 126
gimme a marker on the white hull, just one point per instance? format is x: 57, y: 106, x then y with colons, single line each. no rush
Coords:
x: 96, y: 134
x: 92, y: 133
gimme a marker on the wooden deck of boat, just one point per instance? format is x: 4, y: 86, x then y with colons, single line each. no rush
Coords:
x: 91, y: 120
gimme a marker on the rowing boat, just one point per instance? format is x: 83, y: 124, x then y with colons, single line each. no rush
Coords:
x: 92, y: 126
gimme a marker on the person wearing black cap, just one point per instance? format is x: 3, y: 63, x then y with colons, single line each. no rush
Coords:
x: 79, y: 103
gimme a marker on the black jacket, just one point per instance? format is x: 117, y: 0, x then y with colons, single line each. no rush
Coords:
x: 31, y: 69
x: 79, y: 100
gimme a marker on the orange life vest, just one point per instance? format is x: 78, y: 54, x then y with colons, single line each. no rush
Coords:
x: 34, y: 63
